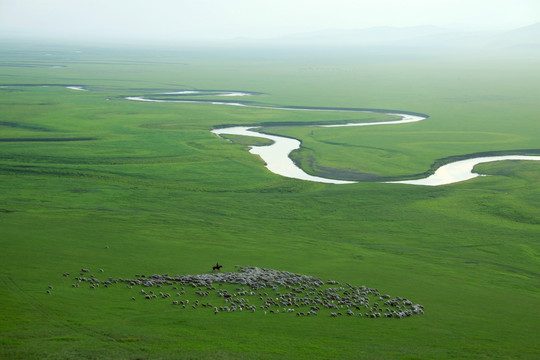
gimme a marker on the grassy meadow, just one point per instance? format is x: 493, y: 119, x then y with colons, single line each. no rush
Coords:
x: 91, y: 180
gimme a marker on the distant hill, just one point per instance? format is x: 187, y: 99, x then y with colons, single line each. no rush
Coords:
x: 374, y: 35
x: 417, y: 36
x: 527, y: 37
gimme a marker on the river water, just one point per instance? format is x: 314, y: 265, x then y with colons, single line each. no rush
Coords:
x: 277, y: 160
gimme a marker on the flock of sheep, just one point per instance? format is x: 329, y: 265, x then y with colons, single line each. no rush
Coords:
x: 261, y: 290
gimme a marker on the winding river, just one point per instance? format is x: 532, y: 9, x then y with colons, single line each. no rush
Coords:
x: 276, y: 155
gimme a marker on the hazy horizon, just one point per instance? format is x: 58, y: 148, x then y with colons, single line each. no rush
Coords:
x: 169, y: 20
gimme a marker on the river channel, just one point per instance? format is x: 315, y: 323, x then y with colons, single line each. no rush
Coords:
x: 276, y: 155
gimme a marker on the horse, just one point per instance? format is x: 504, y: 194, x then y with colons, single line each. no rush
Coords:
x: 217, y: 267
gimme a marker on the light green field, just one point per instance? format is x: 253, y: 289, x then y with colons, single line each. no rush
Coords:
x: 151, y: 183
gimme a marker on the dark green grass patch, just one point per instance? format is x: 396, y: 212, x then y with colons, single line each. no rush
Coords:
x: 44, y: 139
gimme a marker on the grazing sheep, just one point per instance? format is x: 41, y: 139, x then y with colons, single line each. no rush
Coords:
x: 290, y: 290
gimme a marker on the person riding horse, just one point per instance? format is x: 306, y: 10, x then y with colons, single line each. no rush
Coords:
x: 217, y: 267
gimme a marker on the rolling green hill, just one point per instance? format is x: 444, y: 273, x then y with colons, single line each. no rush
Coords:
x: 91, y: 180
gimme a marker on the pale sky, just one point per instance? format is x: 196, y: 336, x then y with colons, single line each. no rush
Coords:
x: 221, y: 19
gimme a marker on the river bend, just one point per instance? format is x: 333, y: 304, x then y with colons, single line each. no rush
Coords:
x: 276, y: 155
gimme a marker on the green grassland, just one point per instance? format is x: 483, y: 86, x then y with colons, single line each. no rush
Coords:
x: 91, y: 180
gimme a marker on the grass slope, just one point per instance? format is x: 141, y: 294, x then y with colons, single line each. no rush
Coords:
x: 165, y: 195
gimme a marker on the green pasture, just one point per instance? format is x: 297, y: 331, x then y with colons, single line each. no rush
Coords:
x: 91, y: 180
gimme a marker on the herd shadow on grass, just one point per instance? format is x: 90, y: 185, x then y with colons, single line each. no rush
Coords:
x: 257, y: 290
